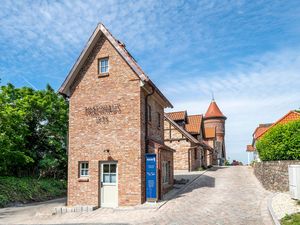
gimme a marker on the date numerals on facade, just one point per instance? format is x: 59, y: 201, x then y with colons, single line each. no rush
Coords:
x: 102, y: 120
x: 103, y: 113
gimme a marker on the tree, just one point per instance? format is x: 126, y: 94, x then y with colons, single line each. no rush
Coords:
x: 33, y: 128
x: 282, y: 142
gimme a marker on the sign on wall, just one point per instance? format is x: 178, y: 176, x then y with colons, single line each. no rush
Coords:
x: 151, y: 177
x: 102, y: 112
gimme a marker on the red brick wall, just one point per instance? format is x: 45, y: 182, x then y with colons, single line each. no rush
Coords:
x: 166, y: 155
x: 184, y: 156
x: 122, y: 135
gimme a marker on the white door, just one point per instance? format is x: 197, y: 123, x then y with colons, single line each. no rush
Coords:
x: 109, y: 184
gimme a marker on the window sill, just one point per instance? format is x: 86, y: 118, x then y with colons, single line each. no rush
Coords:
x: 103, y: 75
x: 83, y: 179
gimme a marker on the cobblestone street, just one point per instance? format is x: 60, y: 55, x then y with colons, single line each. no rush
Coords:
x: 224, y: 195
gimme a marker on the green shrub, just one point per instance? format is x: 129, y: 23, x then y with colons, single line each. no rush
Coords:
x: 293, y: 219
x: 282, y: 142
x: 28, y: 189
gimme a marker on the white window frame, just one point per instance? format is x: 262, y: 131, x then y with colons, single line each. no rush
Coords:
x: 109, y: 173
x: 106, y: 67
x: 166, y: 172
x: 83, y: 170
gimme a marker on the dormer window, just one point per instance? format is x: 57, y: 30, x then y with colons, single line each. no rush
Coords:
x: 103, y: 66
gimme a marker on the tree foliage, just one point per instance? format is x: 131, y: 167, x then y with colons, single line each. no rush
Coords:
x: 282, y: 142
x: 33, y: 128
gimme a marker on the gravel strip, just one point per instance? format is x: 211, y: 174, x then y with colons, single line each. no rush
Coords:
x: 283, y: 204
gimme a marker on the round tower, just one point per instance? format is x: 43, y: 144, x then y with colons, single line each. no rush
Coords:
x: 214, y: 118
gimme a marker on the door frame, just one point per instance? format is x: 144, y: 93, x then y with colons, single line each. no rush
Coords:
x: 100, y: 178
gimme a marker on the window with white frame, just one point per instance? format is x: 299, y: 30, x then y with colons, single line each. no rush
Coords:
x: 165, y: 172
x: 109, y: 173
x: 103, y: 66
x: 84, y: 169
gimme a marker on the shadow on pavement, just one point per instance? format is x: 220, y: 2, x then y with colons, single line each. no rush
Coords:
x: 200, y: 182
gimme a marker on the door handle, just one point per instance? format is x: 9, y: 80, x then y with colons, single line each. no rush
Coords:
x: 101, y: 184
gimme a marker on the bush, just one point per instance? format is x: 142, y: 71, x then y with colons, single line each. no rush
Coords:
x: 282, y: 142
x: 293, y: 219
x: 28, y: 189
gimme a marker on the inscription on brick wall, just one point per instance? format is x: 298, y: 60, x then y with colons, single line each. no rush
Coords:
x: 103, y: 113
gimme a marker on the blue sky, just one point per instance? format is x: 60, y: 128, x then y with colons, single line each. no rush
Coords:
x: 246, y: 52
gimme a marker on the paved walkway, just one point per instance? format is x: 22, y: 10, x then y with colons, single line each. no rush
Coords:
x: 224, y: 195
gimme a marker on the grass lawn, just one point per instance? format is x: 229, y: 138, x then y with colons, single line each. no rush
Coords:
x: 293, y: 219
x: 28, y: 189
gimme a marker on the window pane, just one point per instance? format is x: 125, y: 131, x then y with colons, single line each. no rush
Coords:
x: 113, y: 178
x: 106, y: 178
x: 106, y: 168
x: 113, y: 168
x: 86, y: 172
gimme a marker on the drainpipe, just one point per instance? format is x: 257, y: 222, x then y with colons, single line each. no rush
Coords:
x: 146, y: 119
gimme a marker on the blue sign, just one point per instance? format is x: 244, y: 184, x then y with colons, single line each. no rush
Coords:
x: 151, y: 174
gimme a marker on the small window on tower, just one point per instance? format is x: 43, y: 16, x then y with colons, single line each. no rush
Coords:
x: 103, y: 66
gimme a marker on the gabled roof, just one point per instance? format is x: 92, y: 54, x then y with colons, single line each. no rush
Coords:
x: 210, y: 132
x: 186, y: 134
x: 261, y: 129
x: 120, y: 48
x: 213, y: 111
x: 250, y: 148
x: 180, y: 115
x: 289, y: 117
x: 181, y: 130
x: 194, y: 124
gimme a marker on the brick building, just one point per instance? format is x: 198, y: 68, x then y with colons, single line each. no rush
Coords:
x: 116, y: 115
x: 197, y: 139
x: 214, y: 119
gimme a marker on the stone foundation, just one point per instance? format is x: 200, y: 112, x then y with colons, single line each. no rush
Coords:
x: 274, y: 175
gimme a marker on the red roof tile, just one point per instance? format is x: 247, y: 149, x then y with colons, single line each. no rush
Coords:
x: 180, y: 115
x: 194, y: 124
x: 210, y: 132
x: 289, y: 117
x: 261, y: 129
x: 250, y: 148
x: 213, y: 111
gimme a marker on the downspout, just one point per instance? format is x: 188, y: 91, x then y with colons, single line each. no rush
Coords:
x: 146, y: 119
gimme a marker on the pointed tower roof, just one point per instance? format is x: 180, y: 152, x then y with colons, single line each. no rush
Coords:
x: 213, y: 111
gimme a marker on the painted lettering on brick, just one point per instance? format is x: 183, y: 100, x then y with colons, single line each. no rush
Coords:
x: 102, y: 112
x: 99, y: 110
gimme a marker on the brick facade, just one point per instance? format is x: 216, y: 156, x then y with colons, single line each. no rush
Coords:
x: 117, y: 136
x: 188, y: 154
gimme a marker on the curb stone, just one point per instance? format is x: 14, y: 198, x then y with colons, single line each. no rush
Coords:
x: 271, y: 211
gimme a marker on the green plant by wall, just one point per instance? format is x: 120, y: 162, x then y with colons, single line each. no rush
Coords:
x: 282, y: 142
x: 28, y: 189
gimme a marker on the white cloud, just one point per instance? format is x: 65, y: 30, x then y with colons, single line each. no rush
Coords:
x: 259, y: 91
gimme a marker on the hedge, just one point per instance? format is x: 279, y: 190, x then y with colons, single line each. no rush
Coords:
x: 282, y: 142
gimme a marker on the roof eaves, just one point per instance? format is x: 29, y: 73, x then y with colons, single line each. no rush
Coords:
x: 101, y: 29
x: 180, y: 129
x: 278, y: 121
